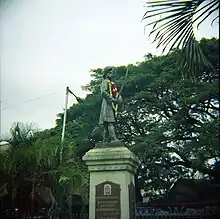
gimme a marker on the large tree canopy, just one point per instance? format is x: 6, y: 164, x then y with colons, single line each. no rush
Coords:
x: 169, y: 122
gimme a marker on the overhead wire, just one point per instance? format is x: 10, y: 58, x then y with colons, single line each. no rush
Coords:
x: 37, y: 98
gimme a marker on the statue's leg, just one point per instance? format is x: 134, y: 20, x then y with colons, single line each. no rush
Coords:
x: 111, y: 131
x: 105, y: 132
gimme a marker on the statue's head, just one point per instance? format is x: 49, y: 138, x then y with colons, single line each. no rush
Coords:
x: 108, y: 72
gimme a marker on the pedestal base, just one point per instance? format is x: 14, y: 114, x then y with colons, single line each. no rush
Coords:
x: 112, y: 193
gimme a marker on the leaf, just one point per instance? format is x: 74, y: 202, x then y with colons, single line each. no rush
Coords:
x: 175, y: 28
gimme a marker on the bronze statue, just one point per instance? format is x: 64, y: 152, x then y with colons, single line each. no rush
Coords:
x: 110, y: 103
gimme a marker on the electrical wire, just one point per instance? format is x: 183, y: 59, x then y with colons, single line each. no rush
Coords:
x: 37, y: 98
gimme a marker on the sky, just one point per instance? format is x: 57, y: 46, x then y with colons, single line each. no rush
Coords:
x: 46, y: 45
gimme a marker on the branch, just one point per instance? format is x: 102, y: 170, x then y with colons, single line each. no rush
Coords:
x: 213, y: 107
x: 188, y: 164
x: 137, y: 126
x: 205, y: 112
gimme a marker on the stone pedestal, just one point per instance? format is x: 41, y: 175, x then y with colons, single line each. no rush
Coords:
x: 112, y: 192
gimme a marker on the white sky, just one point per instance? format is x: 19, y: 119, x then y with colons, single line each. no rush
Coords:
x: 46, y: 45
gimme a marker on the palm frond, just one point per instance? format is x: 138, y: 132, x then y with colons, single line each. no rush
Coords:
x: 173, y: 23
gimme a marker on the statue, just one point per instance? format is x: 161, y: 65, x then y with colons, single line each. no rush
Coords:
x: 110, y: 103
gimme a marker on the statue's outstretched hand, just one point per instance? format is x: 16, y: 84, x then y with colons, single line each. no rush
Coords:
x: 118, y: 100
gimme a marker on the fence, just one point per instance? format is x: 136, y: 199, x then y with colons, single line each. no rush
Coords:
x: 177, y: 211
x: 64, y: 215
x: 145, y: 211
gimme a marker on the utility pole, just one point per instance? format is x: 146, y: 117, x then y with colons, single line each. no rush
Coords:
x: 64, y: 124
x: 65, y: 112
x: 79, y: 100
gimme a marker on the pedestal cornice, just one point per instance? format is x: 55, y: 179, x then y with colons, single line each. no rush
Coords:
x: 110, y: 159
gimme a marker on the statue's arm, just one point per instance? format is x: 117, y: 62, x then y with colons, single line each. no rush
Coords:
x: 105, y: 92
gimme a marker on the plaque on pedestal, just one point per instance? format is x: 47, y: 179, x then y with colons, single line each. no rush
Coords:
x: 108, y: 201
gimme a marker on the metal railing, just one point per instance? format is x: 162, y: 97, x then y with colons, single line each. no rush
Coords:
x: 177, y: 211
x: 143, y: 211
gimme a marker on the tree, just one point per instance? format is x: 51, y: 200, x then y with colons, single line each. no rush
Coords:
x: 21, y: 133
x: 173, y: 26
x: 34, y: 166
x: 169, y: 122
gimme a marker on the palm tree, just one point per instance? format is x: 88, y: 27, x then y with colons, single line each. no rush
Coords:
x: 22, y: 134
x: 34, y: 161
x: 173, y: 23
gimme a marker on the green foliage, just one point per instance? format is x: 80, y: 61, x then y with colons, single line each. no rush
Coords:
x: 37, y: 162
x: 173, y: 26
x: 169, y: 122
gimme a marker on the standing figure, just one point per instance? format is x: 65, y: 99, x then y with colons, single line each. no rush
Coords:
x: 109, y: 108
